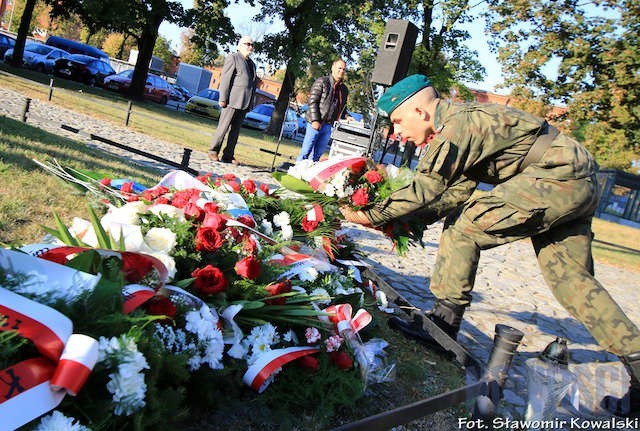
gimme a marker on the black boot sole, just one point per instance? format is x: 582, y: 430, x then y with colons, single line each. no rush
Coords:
x: 414, y: 331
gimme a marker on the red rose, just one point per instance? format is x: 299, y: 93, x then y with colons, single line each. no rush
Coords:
x: 265, y: 188
x: 160, y: 306
x: 360, y: 197
x: 208, y: 239
x: 193, y: 212
x: 228, y: 177
x: 204, y: 179
x: 249, y: 245
x: 127, y: 187
x: 247, y: 220
x: 211, y: 207
x: 217, y: 182
x: 276, y: 289
x: 358, y: 166
x: 309, y: 363
x: 136, y: 266
x: 309, y: 226
x: 249, y: 186
x: 133, y: 198
x: 373, y: 177
x: 161, y: 200
x: 106, y: 182
x: 234, y: 186
x: 209, y: 280
x: 249, y: 267
x: 147, y: 195
x: 341, y: 359
x: 215, y: 221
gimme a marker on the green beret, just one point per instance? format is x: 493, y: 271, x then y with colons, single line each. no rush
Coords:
x: 399, y: 92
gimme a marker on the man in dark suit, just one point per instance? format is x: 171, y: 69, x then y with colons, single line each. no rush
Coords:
x: 237, y: 89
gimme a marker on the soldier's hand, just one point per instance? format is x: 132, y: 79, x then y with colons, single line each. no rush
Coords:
x: 354, y: 216
x: 316, y: 125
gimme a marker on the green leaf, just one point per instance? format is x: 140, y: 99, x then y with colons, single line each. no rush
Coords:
x: 292, y: 183
x: 62, y: 233
x: 104, y: 240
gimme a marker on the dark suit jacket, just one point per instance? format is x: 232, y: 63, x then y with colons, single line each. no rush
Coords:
x: 238, y: 81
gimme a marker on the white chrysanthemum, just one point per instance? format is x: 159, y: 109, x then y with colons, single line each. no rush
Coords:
x: 214, y: 351
x: 126, y: 383
x: 56, y: 421
x: 166, y: 210
x: 309, y: 273
x: 160, y: 239
x: 290, y: 337
x: 282, y: 219
x: 287, y: 232
x: 128, y: 392
x: 266, y: 227
x: 328, y: 189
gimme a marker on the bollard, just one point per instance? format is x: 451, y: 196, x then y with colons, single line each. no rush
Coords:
x: 126, y: 121
x: 25, y: 110
x: 50, y: 88
x: 186, y: 155
x: 505, y: 344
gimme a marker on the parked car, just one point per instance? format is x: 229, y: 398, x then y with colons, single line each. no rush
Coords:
x: 205, y: 103
x: 179, y: 93
x: 156, y: 88
x: 38, y: 57
x: 75, y: 47
x: 83, y: 68
x: 6, y: 42
x: 260, y: 117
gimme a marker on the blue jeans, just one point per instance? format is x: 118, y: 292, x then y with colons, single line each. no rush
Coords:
x: 315, y: 142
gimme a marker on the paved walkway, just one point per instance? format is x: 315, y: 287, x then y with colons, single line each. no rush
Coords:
x: 509, y: 286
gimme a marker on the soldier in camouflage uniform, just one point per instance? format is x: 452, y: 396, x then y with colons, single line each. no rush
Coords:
x: 545, y: 188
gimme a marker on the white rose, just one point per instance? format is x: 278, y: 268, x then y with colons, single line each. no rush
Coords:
x: 168, y: 211
x: 160, y: 239
x: 287, y: 232
x: 126, y: 214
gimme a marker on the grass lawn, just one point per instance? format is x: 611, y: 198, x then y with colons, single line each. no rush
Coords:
x: 164, y: 123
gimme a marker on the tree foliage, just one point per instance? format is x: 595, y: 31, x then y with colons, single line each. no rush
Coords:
x: 583, y: 54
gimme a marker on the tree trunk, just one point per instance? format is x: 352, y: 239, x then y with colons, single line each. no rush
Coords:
x: 23, y: 30
x: 281, y: 104
x: 146, y: 43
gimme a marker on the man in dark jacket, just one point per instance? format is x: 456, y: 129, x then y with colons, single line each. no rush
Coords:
x: 327, y: 103
x: 237, y: 89
x: 545, y: 189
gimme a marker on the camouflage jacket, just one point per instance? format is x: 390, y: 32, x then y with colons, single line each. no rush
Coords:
x: 477, y: 143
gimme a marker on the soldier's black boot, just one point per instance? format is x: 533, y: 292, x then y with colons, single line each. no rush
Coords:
x: 629, y: 404
x: 445, y: 314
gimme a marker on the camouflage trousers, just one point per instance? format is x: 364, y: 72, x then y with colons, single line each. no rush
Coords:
x: 557, y: 216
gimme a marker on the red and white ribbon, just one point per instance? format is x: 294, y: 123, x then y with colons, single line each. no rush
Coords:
x: 315, y: 213
x: 35, y: 386
x: 323, y: 171
x: 343, y: 320
x: 134, y: 295
x: 257, y: 376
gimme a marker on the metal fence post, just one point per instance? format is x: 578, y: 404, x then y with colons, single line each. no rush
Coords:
x: 50, y: 88
x: 126, y: 121
x: 186, y: 155
x: 25, y: 110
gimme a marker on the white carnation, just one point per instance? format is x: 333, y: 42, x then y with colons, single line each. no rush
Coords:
x: 287, y: 232
x: 56, y: 421
x: 282, y: 219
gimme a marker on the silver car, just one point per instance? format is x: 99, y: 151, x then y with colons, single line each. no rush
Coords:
x: 38, y: 57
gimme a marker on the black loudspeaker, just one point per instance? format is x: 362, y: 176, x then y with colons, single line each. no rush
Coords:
x: 395, y: 52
